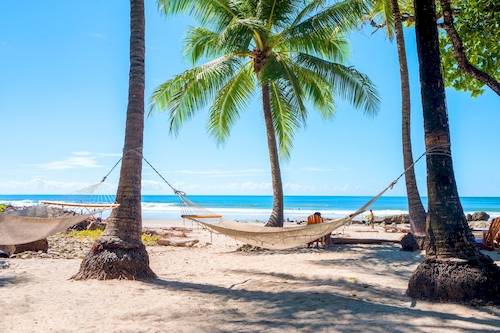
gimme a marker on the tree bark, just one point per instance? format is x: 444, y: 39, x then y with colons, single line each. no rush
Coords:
x: 459, y: 52
x: 454, y: 269
x: 276, y: 219
x: 120, y: 253
x: 415, y: 206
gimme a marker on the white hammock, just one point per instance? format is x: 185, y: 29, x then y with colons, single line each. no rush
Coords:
x: 259, y: 235
x: 274, y: 238
x: 50, y: 217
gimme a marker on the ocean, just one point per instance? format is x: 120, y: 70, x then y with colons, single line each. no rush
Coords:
x: 257, y: 208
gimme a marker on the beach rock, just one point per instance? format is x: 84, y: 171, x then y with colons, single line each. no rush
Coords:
x: 96, y: 224
x: 4, y: 254
x: 402, y: 218
x: 478, y: 216
x: 409, y: 243
x: 39, y: 245
x: 81, y: 226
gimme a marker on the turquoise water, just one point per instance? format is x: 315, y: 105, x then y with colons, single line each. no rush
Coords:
x: 257, y: 207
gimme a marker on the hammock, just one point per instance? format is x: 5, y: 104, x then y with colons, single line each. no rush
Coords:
x: 259, y: 235
x: 51, y: 217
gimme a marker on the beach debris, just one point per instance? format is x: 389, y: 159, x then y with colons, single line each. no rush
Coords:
x: 249, y: 248
x: 478, y: 216
x: 409, y: 243
x: 185, y: 243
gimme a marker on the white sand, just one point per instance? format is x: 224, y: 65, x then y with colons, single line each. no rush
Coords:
x: 356, y: 288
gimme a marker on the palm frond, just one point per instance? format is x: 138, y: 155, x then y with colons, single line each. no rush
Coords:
x: 186, y: 93
x: 307, y: 10
x: 217, y: 13
x: 201, y: 42
x: 343, y: 16
x: 316, y: 89
x: 286, y: 120
x: 229, y: 101
x: 381, y: 13
x: 348, y: 83
x: 333, y: 47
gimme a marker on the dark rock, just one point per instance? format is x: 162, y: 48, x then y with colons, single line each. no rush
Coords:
x: 409, y: 243
x: 4, y: 254
x: 81, y: 226
x: 468, y: 217
x: 478, y: 216
x: 447, y: 280
x: 39, y: 245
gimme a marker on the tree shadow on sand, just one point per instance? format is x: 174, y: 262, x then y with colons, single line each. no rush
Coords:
x: 11, y: 280
x: 386, y: 258
x: 320, y: 310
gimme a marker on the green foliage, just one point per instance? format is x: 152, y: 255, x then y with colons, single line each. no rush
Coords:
x: 147, y: 239
x: 85, y: 234
x: 3, y: 208
x: 478, y: 24
x: 294, y: 47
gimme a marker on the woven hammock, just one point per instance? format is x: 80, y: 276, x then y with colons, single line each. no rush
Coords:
x: 50, y: 217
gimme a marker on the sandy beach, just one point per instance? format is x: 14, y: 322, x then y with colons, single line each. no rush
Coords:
x: 214, y: 288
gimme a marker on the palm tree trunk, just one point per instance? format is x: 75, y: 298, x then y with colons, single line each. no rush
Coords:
x: 120, y: 253
x: 454, y: 269
x: 276, y: 218
x: 415, y: 206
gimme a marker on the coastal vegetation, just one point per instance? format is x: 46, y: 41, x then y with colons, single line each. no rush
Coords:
x: 146, y: 238
x: 292, y: 52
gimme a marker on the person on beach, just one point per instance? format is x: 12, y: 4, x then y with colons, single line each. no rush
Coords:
x: 316, y: 219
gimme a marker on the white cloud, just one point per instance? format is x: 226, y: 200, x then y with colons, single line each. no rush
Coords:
x: 40, y: 185
x: 76, y: 161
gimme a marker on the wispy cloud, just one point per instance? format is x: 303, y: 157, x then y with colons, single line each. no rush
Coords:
x: 98, y: 35
x: 75, y: 161
x: 48, y: 186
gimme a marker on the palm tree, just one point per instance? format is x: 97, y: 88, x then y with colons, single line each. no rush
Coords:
x: 291, y: 49
x: 454, y: 269
x: 120, y: 253
x: 388, y: 11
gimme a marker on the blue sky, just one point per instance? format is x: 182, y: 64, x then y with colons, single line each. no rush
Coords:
x: 63, y: 96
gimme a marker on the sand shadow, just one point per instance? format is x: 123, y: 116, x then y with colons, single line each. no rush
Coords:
x: 12, y: 280
x: 294, y: 310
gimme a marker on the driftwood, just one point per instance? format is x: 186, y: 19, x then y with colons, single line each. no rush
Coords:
x: 345, y: 240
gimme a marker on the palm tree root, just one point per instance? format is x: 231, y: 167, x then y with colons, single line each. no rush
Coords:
x: 457, y: 281
x: 274, y: 221
x: 113, y: 258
